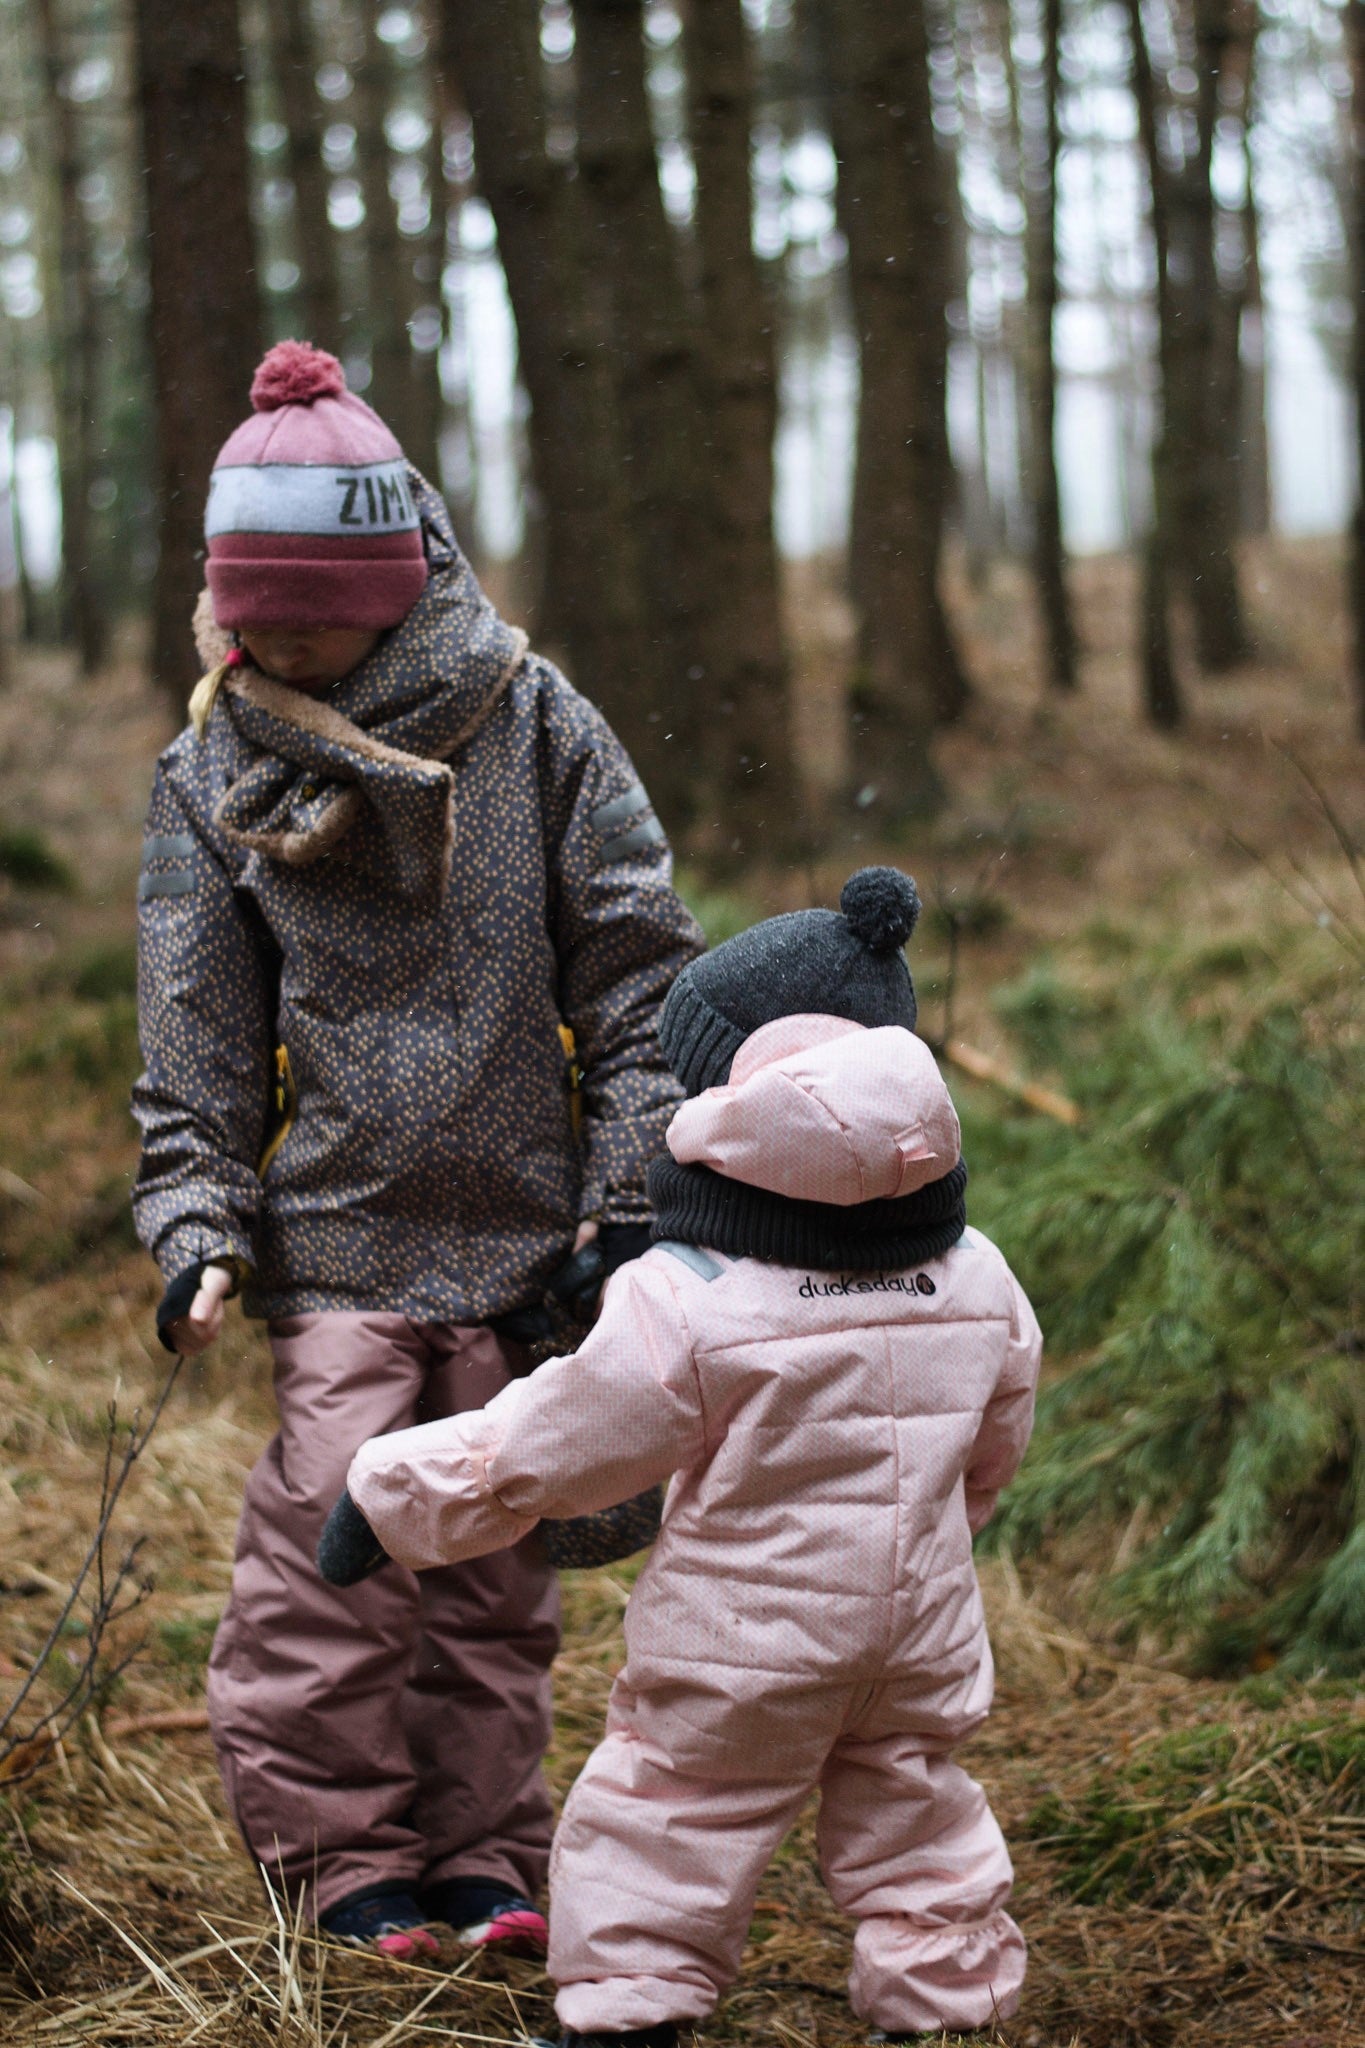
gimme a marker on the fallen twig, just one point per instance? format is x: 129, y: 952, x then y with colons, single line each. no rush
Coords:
x: 1314, y: 1948
x: 982, y: 1067
x: 166, y: 1721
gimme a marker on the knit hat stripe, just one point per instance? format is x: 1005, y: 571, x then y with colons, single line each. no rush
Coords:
x: 297, y: 593
x: 312, y: 547
x: 279, y: 497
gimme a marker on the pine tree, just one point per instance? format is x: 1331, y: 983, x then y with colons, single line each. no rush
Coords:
x: 1200, y: 1252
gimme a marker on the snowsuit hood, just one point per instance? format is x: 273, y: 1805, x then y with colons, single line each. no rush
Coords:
x: 823, y: 1110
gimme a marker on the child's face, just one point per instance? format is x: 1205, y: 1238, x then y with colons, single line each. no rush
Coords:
x: 309, y: 658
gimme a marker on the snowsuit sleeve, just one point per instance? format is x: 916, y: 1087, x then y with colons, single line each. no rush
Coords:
x: 580, y: 1434
x: 621, y: 935
x: 1008, y: 1421
x: 204, y: 1019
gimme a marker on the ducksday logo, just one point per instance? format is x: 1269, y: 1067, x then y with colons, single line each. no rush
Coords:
x: 868, y: 1283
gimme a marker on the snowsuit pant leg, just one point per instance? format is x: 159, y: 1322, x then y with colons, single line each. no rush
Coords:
x: 910, y: 1848
x: 391, y: 1732
x: 652, y: 1884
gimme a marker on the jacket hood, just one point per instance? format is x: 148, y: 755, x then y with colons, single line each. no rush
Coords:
x: 824, y: 1110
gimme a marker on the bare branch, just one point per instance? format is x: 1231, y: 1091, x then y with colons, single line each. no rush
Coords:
x: 26, y: 1744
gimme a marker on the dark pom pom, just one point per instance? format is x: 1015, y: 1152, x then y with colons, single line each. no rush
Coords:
x: 295, y: 373
x: 882, y: 907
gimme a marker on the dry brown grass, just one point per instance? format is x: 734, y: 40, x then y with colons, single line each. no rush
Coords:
x: 128, y: 1913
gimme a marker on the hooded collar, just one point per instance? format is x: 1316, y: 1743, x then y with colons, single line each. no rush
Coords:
x: 382, y: 738
x: 831, y: 1146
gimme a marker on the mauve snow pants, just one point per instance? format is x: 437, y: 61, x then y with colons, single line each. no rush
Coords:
x: 389, y: 1733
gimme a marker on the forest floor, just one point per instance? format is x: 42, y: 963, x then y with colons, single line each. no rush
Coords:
x: 1184, y: 1856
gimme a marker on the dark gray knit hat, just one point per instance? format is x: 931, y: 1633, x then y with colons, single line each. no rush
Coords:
x: 830, y: 963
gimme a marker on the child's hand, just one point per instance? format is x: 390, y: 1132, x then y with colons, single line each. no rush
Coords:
x: 192, y: 1333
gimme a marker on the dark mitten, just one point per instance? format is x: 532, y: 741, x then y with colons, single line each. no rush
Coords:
x: 622, y: 1242
x: 575, y: 1285
x: 349, y: 1550
x: 177, y: 1301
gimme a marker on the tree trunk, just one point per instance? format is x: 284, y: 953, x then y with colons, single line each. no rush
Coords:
x: 1040, y: 146
x: 1162, y: 696
x: 205, y: 317
x: 388, y: 266
x: 894, y: 214
x: 1254, y: 480
x: 294, y: 63
x: 1202, y: 513
x: 76, y: 352
x: 1244, y: 467
x: 593, y: 605
x: 428, y: 307
x: 749, y: 745
x: 652, y: 347
x: 1355, y: 33
x: 458, y: 464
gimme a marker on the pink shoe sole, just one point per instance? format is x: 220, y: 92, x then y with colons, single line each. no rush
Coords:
x: 517, y: 1931
x: 405, y: 1944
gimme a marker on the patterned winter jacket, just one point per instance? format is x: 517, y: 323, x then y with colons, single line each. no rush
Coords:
x: 363, y: 921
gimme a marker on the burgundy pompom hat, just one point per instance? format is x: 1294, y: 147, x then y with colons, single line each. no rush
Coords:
x: 311, y: 520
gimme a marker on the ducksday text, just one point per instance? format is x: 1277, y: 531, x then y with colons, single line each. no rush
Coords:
x: 868, y: 1283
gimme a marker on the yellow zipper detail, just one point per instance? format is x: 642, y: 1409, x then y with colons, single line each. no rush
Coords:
x: 575, y: 1077
x: 284, y: 1103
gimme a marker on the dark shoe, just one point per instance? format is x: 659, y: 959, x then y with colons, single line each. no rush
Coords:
x: 930, y: 2040
x: 389, y: 1923
x: 487, y: 1915
x: 664, y: 2035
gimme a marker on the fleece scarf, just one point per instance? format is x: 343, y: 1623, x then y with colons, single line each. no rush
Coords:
x: 382, y: 739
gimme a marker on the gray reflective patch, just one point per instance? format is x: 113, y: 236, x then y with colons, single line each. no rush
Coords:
x: 168, y: 846
x: 178, y: 884
x: 691, y: 1255
x: 647, y: 834
x: 620, y: 808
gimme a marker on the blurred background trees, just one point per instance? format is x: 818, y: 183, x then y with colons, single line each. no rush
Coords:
x: 666, y: 294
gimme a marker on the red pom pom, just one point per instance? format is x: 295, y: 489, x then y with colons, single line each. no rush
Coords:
x: 295, y: 373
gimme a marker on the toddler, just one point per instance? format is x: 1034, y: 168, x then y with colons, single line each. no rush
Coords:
x: 839, y: 1376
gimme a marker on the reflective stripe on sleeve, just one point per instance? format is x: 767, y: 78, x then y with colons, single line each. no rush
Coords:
x: 649, y: 833
x: 607, y: 815
x: 167, y: 846
x: 178, y: 883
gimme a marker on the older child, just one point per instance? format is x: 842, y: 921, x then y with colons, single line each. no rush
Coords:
x: 840, y: 1375
x: 395, y: 856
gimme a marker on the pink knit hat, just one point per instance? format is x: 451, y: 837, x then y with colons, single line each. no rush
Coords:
x: 310, y: 520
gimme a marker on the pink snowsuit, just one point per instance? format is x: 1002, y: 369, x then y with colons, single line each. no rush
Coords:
x: 810, y: 1615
